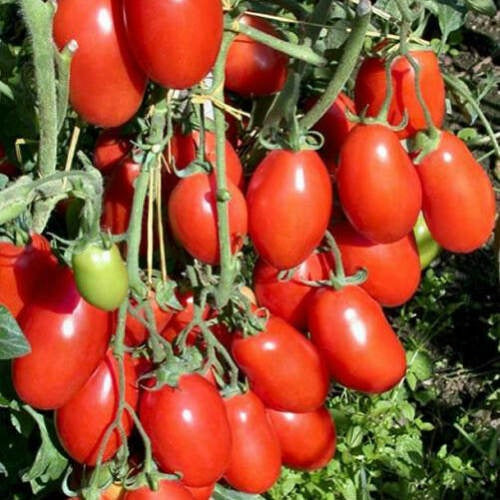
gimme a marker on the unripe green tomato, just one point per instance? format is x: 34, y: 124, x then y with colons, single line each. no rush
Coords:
x: 428, y: 248
x: 100, y: 275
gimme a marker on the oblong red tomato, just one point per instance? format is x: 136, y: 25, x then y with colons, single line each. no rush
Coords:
x: 188, y: 31
x: 110, y: 149
x: 393, y: 268
x: 82, y: 422
x: 378, y: 186
x: 355, y: 339
x: 255, y: 463
x: 167, y: 490
x: 192, y: 211
x: 107, y: 85
x: 307, y: 440
x: 371, y: 88
x: 289, y: 206
x: 188, y: 429
x: 252, y: 68
x: 299, y: 382
x: 458, y: 197
x: 22, y: 269
x: 68, y: 339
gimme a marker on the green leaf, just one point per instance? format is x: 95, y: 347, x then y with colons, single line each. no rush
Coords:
x: 348, y: 490
x: 13, y: 343
x: 421, y: 366
x: 222, y: 493
x: 487, y: 7
x: 451, y: 16
x: 6, y: 90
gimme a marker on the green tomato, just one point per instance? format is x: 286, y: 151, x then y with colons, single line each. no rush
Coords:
x: 428, y: 248
x: 100, y: 275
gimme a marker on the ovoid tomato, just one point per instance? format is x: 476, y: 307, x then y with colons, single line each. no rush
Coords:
x: 6, y: 167
x: 458, y: 198
x: 252, y: 68
x: 110, y: 149
x: 393, y: 268
x: 82, y: 422
x: 371, y: 88
x: 428, y: 248
x: 192, y: 211
x: 113, y: 492
x: 289, y: 206
x: 378, y: 186
x: 355, y: 339
x: 255, y: 454
x: 107, y: 85
x: 22, y: 269
x: 188, y: 429
x: 298, y: 383
x: 100, y: 275
x: 189, y: 31
x: 203, y: 493
x: 307, y: 440
x: 167, y: 490
x: 68, y: 339
x: 289, y: 299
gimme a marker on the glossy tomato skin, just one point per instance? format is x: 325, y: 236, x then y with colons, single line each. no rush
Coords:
x: 68, y: 339
x: 188, y: 429
x: 107, y: 85
x: 300, y: 384
x: 110, y: 149
x: 359, y: 346
x: 21, y: 271
x: 289, y: 206
x: 371, y: 86
x: 252, y: 68
x: 192, y: 213
x: 458, y: 197
x: 167, y: 490
x: 393, y: 268
x: 428, y: 247
x: 289, y: 299
x: 203, y: 493
x: 255, y: 457
x: 82, y: 422
x: 189, y: 31
x: 307, y: 440
x: 378, y: 186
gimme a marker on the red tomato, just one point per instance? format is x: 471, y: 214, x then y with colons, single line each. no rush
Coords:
x: 111, y: 148
x: 378, y: 186
x: 255, y: 457
x: 68, y: 339
x: 371, y: 88
x: 356, y: 340
x: 289, y: 299
x: 289, y: 206
x: 192, y: 213
x: 299, y: 382
x: 188, y: 429
x: 106, y: 86
x: 189, y: 31
x: 393, y: 268
x: 307, y: 440
x: 21, y: 271
x: 252, y: 68
x: 167, y: 490
x: 82, y: 422
x: 458, y: 198
x: 6, y: 167
x: 204, y: 493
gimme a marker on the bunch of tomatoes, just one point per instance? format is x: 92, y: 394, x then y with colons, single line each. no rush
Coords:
x: 240, y: 389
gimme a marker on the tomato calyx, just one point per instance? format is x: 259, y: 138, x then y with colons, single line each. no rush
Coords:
x: 424, y: 143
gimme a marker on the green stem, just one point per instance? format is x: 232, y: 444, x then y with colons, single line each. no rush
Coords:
x: 346, y: 65
x: 294, y: 7
x: 63, y: 60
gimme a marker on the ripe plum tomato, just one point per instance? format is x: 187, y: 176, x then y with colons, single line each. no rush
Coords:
x: 68, y: 339
x: 359, y: 346
x: 393, y: 268
x: 112, y: 492
x: 82, y: 422
x: 378, y: 186
x: 192, y: 213
x: 289, y: 206
x: 307, y: 440
x: 110, y: 149
x: 252, y: 68
x: 22, y: 269
x: 167, y: 490
x: 6, y: 167
x: 458, y: 197
x: 371, y: 88
x: 255, y: 457
x: 107, y: 85
x: 188, y: 429
x: 203, y: 493
x: 300, y: 384
x: 189, y: 31
x: 289, y: 299
x: 428, y: 247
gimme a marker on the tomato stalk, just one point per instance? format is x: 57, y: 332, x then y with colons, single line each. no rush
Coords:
x: 294, y: 7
